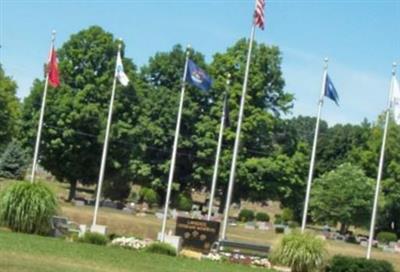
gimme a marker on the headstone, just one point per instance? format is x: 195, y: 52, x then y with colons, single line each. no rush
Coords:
x: 82, y: 230
x: 159, y: 215
x: 127, y: 210
x: 174, y: 214
x: 250, y: 226
x: 173, y: 240
x: 198, y: 235
x: 99, y: 229
x: 79, y: 203
x: 263, y: 226
x: 109, y: 204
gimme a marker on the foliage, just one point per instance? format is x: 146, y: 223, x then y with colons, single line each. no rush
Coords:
x: 301, y: 252
x: 28, y: 207
x: 10, y: 108
x: 287, y: 215
x: 279, y: 230
x: 262, y: 217
x: 385, y: 237
x: 278, y: 219
x: 353, y: 264
x: 94, y: 238
x: 149, y: 196
x: 161, y: 248
x: 76, y: 112
x: 246, y: 215
x: 13, y: 162
x: 342, y: 196
x: 116, y: 188
x: 183, y: 202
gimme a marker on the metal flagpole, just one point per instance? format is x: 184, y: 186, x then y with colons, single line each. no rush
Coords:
x: 220, y: 138
x: 236, y: 146
x: 175, y: 147
x: 105, y: 145
x: 380, y: 169
x: 40, y: 125
x: 314, y: 149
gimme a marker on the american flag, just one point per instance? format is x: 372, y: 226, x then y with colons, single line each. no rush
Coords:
x: 259, y: 14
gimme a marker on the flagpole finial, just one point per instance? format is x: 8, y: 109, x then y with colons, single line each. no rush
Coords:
x: 188, y: 47
x: 53, y: 35
x: 326, y: 60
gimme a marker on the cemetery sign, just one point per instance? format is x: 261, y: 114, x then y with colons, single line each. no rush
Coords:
x: 198, y: 235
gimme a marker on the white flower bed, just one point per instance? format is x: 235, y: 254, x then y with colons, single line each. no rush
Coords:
x: 130, y: 242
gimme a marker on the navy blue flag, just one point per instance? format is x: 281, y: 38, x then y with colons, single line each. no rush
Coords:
x: 330, y: 90
x: 197, y: 77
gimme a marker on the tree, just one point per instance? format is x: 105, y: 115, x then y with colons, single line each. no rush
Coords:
x: 13, y: 162
x: 262, y: 128
x: 344, y: 196
x: 76, y: 112
x: 9, y: 105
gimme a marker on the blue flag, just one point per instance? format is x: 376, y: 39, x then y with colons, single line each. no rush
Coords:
x: 330, y: 90
x: 197, y: 77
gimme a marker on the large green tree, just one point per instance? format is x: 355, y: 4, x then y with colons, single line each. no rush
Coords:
x: 262, y: 130
x: 76, y: 112
x: 344, y: 196
x: 9, y: 109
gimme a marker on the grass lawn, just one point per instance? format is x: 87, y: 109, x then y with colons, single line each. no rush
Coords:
x: 21, y: 252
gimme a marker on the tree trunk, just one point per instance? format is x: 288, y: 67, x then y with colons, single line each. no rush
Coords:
x: 72, y: 190
x: 221, y: 208
x: 343, y: 228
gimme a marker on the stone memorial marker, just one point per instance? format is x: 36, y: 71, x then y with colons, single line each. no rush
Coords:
x: 197, y: 235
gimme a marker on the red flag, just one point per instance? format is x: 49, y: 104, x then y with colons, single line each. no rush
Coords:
x: 54, y: 79
x: 259, y: 19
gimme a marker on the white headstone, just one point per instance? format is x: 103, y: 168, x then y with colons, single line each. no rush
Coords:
x: 99, y: 229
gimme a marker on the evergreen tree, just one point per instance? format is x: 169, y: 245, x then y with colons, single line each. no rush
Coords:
x: 13, y: 162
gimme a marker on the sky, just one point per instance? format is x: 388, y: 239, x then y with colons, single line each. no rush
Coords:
x: 361, y: 38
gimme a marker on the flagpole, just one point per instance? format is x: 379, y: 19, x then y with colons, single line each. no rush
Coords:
x: 217, y: 156
x: 314, y: 148
x: 40, y: 125
x: 237, y: 140
x: 380, y: 169
x: 175, y: 147
x: 105, y: 145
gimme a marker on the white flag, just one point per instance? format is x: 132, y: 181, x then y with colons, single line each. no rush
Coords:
x: 120, y: 74
x: 396, y: 101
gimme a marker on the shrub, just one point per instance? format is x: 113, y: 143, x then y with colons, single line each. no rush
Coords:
x: 385, y: 237
x: 161, y: 248
x: 94, y: 238
x: 353, y: 264
x: 28, y: 207
x: 13, y: 162
x: 287, y: 215
x: 246, y: 215
x: 149, y: 196
x: 263, y: 217
x: 278, y: 219
x: 279, y: 230
x: 293, y: 224
x: 184, y: 202
x: 301, y: 252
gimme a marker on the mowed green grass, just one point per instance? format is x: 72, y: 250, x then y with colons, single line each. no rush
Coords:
x: 22, y: 252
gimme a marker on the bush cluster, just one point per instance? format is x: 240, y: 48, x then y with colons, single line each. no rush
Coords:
x: 262, y: 217
x: 301, y: 252
x: 28, y: 207
x: 184, y: 202
x: 353, y: 264
x: 94, y: 238
x: 246, y: 215
x: 161, y: 248
x: 149, y: 196
x: 385, y: 237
